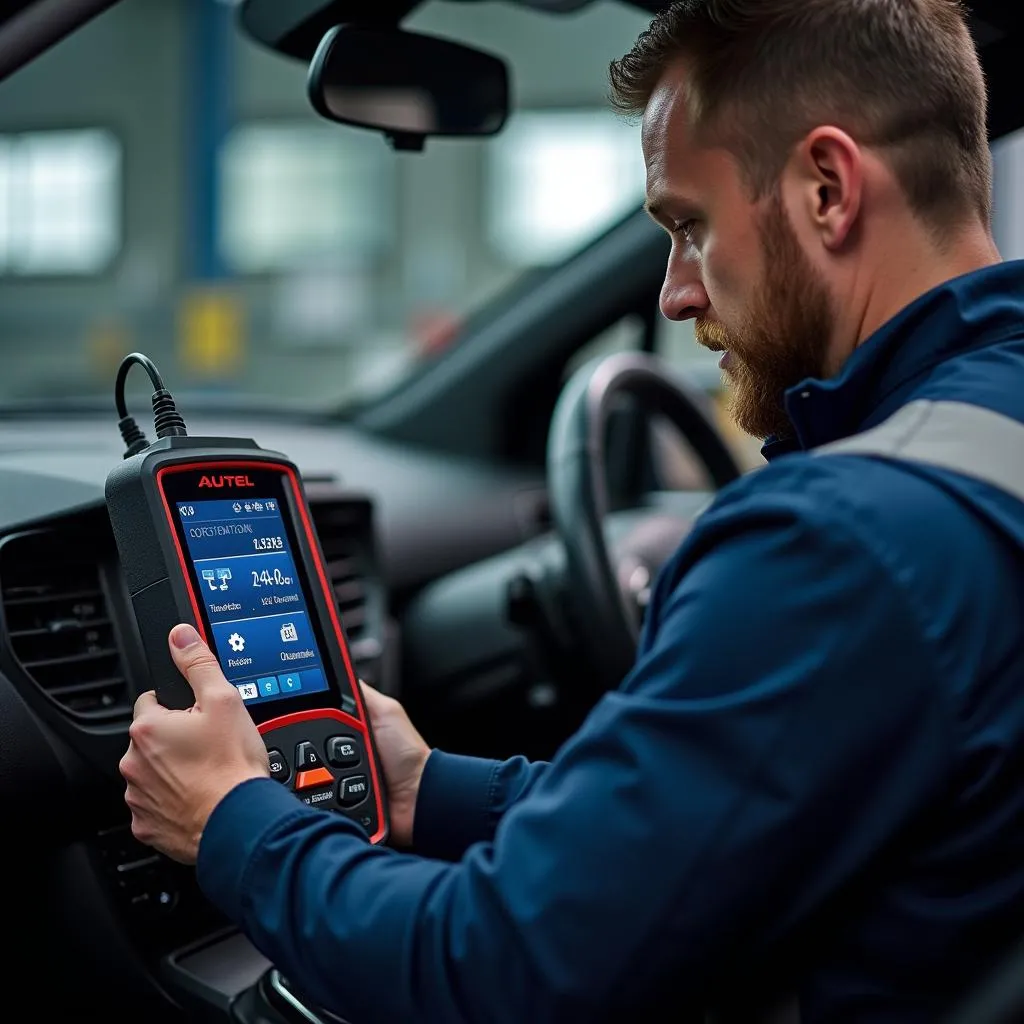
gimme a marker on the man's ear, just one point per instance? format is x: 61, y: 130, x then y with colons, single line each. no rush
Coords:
x: 828, y: 167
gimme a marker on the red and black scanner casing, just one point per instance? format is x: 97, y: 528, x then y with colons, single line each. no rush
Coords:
x: 321, y: 744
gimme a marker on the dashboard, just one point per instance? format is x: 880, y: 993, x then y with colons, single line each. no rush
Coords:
x: 435, y: 563
x: 390, y: 519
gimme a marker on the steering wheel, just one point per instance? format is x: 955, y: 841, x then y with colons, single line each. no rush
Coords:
x: 578, y: 490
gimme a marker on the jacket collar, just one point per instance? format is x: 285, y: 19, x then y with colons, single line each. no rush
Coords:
x: 959, y: 316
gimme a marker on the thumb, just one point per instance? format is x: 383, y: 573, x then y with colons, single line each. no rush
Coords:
x: 196, y: 662
x: 377, y: 704
x: 371, y: 698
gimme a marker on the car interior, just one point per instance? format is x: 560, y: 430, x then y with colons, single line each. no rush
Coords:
x: 448, y: 320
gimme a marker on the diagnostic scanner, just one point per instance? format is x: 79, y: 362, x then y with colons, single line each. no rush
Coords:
x: 217, y: 532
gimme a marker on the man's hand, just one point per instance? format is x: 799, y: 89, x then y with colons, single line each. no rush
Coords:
x: 403, y: 753
x: 181, y: 764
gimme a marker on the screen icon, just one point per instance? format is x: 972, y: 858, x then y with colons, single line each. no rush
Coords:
x: 289, y: 634
x: 249, y: 691
x: 290, y: 682
x: 237, y: 643
x: 268, y: 686
x: 217, y: 579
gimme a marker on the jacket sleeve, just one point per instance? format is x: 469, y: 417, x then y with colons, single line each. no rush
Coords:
x: 781, y: 726
x: 462, y: 799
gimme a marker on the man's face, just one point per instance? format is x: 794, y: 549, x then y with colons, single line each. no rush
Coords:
x: 736, y: 268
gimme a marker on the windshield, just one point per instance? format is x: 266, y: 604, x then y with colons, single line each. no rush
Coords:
x: 165, y: 186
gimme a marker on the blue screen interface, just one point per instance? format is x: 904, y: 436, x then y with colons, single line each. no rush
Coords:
x: 257, y: 612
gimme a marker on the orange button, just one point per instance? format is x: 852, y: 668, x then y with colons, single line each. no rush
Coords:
x: 313, y: 777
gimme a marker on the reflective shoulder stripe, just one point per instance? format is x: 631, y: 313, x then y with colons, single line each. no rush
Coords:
x: 956, y: 436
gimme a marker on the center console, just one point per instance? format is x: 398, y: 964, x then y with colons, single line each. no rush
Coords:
x: 225, y: 978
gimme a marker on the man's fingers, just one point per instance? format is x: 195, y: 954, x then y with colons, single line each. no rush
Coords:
x: 198, y: 665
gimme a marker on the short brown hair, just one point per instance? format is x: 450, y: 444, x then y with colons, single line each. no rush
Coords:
x: 902, y: 75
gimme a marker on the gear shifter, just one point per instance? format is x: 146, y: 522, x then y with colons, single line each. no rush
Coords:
x: 278, y: 993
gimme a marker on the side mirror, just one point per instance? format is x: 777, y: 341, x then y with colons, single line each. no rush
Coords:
x: 407, y: 85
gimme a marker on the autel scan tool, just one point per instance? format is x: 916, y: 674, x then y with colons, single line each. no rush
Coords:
x: 216, y: 531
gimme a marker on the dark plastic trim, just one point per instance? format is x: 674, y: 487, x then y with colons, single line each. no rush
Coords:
x: 41, y: 25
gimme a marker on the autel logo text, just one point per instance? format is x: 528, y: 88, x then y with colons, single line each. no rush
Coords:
x: 226, y: 481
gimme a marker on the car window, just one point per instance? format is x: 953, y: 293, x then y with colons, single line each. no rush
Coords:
x: 1008, y: 212
x: 183, y: 198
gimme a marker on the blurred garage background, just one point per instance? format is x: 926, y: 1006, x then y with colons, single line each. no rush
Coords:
x: 181, y: 197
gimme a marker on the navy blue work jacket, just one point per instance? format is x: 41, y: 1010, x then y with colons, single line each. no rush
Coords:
x: 812, y: 778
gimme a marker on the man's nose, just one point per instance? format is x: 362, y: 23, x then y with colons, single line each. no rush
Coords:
x: 683, y: 296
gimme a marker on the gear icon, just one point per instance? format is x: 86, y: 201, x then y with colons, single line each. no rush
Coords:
x: 237, y: 642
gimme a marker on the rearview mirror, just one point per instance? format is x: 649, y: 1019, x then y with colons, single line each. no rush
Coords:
x: 407, y: 85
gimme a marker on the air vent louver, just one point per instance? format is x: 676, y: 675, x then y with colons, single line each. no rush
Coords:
x: 58, y: 627
x: 342, y: 531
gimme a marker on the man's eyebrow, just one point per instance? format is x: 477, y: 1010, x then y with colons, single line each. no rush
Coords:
x: 658, y: 205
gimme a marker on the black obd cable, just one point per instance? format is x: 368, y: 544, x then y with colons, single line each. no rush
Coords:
x: 167, y: 421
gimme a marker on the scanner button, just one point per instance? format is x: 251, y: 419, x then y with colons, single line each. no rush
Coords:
x: 352, y: 790
x: 313, y: 777
x: 343, y: 752
x: 316, y: 797
x: 307, y: 757
x: 278, y: 765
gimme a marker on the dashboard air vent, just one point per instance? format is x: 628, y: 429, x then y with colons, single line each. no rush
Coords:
x: 58, y: 626
x: 343, y: 528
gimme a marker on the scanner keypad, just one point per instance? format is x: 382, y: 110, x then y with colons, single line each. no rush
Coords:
x: 324, y: 762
